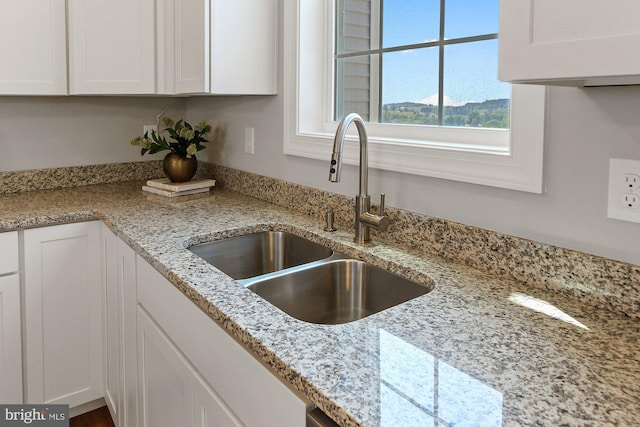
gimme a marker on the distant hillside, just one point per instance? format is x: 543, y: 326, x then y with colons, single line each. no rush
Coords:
x: 493, y: 113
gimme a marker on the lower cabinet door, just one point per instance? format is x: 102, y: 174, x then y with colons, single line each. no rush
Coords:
x: 208, y: 408
x: 246, y: 388
x: 10, y: 341
x: 63, y: 314
x: 113, y: 381
x: 171, y: 392
x: 164, y: 379
x: 120, y: 340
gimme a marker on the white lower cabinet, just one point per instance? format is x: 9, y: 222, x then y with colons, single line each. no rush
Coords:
x: 63, y: 314
x: 10, y: 340
x: 9, y: 253
x: 101, y: 322
x: 229, y: 386
x: 120, y: 341
x: 209, y: 410
x: 165, y: 379
x: 10, y: 327
x: 171, y: 392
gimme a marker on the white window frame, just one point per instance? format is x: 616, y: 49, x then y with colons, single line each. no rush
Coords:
x: 502, y: 158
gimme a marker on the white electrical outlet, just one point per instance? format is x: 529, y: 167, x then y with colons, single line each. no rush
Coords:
x: 148, y: 129
x: 248, y: 140
x: 632, y: 180
x: 631, y: 201
x: 624, y: 190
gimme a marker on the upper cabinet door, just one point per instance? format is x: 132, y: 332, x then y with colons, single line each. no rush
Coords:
x: 33, y: 46
x: 192, y: 40
x: 112, y: 47
x: 570, y: 42
x: 244, y: 55
x: 219, y: 47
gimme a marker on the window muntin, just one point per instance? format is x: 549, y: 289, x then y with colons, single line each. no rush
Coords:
x: 433, y: 63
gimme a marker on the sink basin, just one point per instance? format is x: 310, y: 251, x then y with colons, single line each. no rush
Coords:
x: 260, y: 253
x: 337, y: 291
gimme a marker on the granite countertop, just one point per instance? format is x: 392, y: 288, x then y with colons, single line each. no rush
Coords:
x: 478, y: 350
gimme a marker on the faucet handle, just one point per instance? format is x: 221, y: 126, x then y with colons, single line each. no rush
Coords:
x: 379, y: 222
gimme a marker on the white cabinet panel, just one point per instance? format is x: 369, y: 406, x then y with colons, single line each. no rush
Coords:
x: 128, y: 337
x: 113, y: 385
x: 208, y: 408
x: 139, y: 47
x: 247, y: 387
x: 8, y: 252
x: 63, y: 319
x: 33, y: 46
x: 570, y: 42
x: 10, y: 327
x: 10, y: 340
x: 165, y: 393
x: 112, y: 47
x: 120, y: 338
x: 191, y: 20
x: 224, y: 48
x: 244, y: 47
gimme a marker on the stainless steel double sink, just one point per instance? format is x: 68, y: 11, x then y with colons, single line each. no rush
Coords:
x: 307, y: 280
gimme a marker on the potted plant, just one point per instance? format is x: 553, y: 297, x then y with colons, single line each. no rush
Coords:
x: 180, y: 164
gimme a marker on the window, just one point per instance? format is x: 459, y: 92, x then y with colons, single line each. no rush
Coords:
x: 409, y: 62
x: 314, y: 97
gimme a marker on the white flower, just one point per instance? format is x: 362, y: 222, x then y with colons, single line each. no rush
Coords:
x: 191, y: 150
x: 187, y: 133
x: 203, y: 127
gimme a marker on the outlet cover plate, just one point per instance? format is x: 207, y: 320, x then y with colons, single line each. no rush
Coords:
x: 619, y: 171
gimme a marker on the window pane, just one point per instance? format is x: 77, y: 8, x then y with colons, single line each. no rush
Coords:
x: 353, y: 88
x: 464, y: 18
x: 353, y: 25
x: 409, y: 81
x: 410, y: 22
x: 473, y: 95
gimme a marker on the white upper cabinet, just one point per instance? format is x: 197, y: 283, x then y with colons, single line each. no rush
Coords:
x: 225, y: 47
x: 187, y: 58
x: 33, y: 46
x: 244, y: 46
x: 171, y: 47
x: 570, y: 42
x: 112, y: 47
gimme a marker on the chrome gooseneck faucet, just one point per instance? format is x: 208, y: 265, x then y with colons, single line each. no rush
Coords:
x: 365, y: 220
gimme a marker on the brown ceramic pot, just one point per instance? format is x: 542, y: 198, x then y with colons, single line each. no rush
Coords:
x: 179, y: 168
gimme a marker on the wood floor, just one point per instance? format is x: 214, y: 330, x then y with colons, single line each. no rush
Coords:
x: 97, y: 418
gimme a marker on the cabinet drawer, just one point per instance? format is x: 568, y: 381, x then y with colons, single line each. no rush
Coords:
x: 9, y: 252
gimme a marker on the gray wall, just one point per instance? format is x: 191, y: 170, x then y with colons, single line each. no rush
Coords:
x: 585, y: 128
x: 45, y: 132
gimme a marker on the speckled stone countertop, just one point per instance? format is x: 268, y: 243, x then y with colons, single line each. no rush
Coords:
x: 479, y: 350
